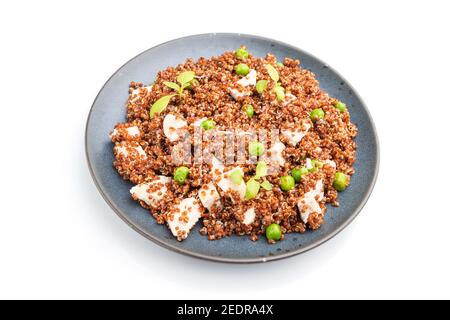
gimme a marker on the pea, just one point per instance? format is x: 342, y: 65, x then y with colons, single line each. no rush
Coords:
x: 280, y: 64
x: 249, y: 110
x: 261, y: 85
x: 298, y: 172
x: 252, y: 189
x: 242, y: 69
x: 273, y: 232
x: 340, y: 106
x: 340, y: 181
x: 255, y: 148
x: 181, y: 174
x: 287, y: 183
x: 316, y: 114
x: 208, y: 124
x: 241, y: 53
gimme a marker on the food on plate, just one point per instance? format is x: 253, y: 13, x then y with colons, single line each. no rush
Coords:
x: 236, y: 144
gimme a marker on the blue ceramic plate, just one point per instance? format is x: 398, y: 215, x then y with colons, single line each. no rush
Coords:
x: 109, y: 109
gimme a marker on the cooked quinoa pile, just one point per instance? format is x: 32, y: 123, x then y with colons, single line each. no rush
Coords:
x: 283, y: 185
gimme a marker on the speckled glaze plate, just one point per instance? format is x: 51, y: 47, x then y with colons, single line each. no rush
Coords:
x: 109, y: 109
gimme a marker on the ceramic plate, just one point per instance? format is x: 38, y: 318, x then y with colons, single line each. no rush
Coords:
x: 109, y: 109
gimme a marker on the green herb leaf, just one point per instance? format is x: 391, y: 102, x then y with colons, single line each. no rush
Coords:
x: 236, y: 177
x: 252, y: 189
x: 261, y: 85
x: 266, y: 185
x: 172, y: 85
x: 261, y: 170
x: 185, y: 77
x: 273, y: 73
x: 279, y: 90
x: 160, y: 105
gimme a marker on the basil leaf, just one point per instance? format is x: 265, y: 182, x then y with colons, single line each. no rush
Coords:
x: 261, y: 85
x: 279, y: 92
x: 185, y: 77
x: 172, y: 85
x: 160, y: 105
x: 261, y: 170
x: 273, y: 73
x: 266, y: 185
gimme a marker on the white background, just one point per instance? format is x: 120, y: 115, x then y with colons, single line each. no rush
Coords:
x: 59, y: 239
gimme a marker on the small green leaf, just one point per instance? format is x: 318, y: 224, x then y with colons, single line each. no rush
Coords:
x: 266, y: 185
x: 279, y: 92
x: 273, y: 73
x: 261, y: 170
x: 261, y: 85
x: 252, y: 189
x: 236, y: 177
x: 160, y: 105
x: 185, y: 77
x: 172, y: 85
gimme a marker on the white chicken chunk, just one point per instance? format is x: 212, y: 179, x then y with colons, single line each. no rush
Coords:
x: 172, y: 125
x: 296, y: 132
x: 249, y: 79
x: 249, y: 216
x: 151, y: 192
x: 309, y: 204
x: 183, y: 217
x: 209, y: 196
x: 226, y: 184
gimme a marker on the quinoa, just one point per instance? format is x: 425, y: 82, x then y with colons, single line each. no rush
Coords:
x: 143, y: 152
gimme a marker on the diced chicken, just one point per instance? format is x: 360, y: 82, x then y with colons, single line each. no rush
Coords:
x: 277, y: 153
x: 138, y: 92
x: 288, y: 98
x: 309, y: 203
x: 127, y: 149
x: 236, y: 94
x: 249, y: 216
x: 296, y: 132
x: 172, y: 125
x: 132, y: 132
x: 151, y: 192
x: 330, y: 163
x: 226, y: 184
x: 183, y: 217
x: 216, y: 168
x: 249, y: 79
x: 308, y: 164
x: 209, y: 196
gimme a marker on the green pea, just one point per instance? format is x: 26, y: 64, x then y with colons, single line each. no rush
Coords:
x: 340, y: 181
x: 340, y: 106
x: 241, y: 53
x: 249, y: 110
x: 255, y: 148
x: 181, y: 174
x: 287, y: 183
x: 279, y: 90
x: 273, y: 232
x: 242, y: 69
x: 280, y: 64
x: 252, y: 189
x: 298, y: 172
x: 261, y: 85
x: 316, y: 114
x: 208, y: 124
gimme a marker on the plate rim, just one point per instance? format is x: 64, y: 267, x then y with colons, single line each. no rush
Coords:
x: 189, y: 253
